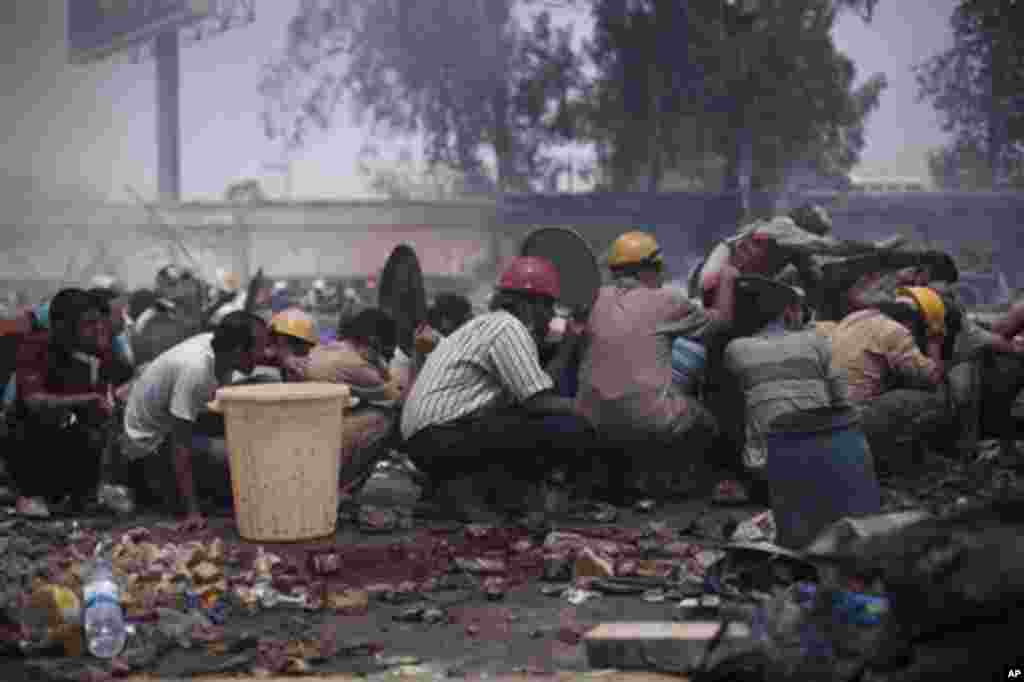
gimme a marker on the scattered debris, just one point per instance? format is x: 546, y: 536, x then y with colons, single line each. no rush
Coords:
x: 589, y: 565
x: 577, y: 596
x: 495, y: 588
x: 645, y: 506
x: 759, y: 528
x: 324, y: 562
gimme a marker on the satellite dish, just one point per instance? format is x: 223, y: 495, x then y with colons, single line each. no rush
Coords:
x: 575, y: 261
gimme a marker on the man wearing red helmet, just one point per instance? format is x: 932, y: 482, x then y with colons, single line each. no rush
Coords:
x: 482, y: 402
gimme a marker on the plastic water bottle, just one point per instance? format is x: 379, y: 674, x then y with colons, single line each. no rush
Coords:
x: 104, y: 625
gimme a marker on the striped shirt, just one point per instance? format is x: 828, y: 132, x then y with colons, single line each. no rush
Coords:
x: 782, y: 373
x: 874, y: 350
x: 489, y: 363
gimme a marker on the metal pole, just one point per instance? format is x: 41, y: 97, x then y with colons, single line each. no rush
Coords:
x: 168, y: 84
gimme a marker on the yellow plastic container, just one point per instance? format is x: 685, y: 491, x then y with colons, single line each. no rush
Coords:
x: 284, y: 442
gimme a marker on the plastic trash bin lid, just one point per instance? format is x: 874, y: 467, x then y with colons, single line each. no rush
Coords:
x: 281, y: 392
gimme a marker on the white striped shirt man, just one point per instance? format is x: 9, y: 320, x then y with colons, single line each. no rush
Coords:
x: 489, y: 363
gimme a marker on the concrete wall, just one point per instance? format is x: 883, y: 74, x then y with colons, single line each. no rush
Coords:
x: 687, y: 224
x: 68, y: 243
x: 71, y: 242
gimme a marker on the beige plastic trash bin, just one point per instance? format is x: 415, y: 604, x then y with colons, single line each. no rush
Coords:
x: 284, y: 441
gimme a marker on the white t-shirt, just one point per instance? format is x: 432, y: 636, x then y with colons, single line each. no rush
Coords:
x: 177, y: 384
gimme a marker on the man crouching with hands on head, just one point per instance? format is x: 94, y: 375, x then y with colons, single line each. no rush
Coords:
x: 482, y: 404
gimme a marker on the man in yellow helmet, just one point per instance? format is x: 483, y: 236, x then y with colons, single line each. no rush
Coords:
x: 626, y: 386
x: 892, y: 355
x: 985, y: 360
x: 293, y: 335
x: 359, y: 359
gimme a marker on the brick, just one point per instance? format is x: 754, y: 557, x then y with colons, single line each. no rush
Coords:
x: 634, y: 646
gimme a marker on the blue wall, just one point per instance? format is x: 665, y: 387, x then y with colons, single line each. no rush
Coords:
x: 687, y: 224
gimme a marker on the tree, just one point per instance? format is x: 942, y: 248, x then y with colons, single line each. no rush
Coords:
x: 406, y: 179
x: 975, y: 86
x: 468, y: 77
x: 678, y: 85
x: 964, y: 165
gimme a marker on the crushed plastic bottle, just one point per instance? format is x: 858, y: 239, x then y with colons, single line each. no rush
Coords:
x: 103, y: 617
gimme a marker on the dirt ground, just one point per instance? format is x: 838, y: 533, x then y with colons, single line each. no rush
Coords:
x: 527, y: 633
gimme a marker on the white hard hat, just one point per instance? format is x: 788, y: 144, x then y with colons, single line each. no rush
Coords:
x: 319, y: 284
x: 280, y: 285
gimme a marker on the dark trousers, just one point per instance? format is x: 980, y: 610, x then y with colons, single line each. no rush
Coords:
x: 1002, y: 379
x: 898, y: 422
x: 155, y: 484
x: 52, y: 459
x: 513, y: 445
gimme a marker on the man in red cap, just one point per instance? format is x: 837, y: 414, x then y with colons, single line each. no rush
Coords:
x: 482, y: 404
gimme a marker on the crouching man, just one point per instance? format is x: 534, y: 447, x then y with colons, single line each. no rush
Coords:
x: 483, y: 404
x: 892, y: 355
x: 63, y: 412
x: 784, y: 371
x: 359, y: 358
x: 165, y: 400
x: 654, y: 430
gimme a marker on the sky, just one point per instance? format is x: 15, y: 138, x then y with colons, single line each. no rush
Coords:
x: 93, y: 127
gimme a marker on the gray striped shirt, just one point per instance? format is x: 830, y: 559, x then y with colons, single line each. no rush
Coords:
x: 782, y: 372
x: 488, y: 363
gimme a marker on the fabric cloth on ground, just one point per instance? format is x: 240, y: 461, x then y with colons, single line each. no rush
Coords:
x: 782, y: 373
x: 877, y: 353
x: 488, y: 364
x: 625, y: 380
x: 177, y: 385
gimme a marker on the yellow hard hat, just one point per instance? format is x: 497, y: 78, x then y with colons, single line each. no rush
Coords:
x: 635, y: 248
x: 930, y: 303
x: 295, y: 322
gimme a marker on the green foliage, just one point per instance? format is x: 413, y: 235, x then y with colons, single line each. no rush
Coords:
x: 777, y: 72
x: 976, y: 87
x: 470, y: 78
x: 492, y: 88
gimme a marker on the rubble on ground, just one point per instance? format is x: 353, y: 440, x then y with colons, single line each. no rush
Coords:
x: 209, y: 603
